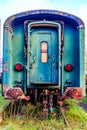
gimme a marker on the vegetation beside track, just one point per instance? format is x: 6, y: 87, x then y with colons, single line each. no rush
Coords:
x: 24, y: 116
x: 0, y: 89
x: 3, y: 101
x: 76, y: 115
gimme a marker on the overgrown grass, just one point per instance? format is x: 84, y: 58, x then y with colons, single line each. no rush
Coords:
x: 76, y: 116
x: 0, y: 89
x: 84, y: 99
x: 3, y: 103
x: 33, y: 124
x: 30, y: 117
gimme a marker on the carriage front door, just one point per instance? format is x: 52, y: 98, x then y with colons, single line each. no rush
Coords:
x: 43, y: 53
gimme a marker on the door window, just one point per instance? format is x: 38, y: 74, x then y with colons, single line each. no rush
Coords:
x: 44, y: 48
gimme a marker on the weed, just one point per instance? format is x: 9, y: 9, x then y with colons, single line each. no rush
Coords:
x: 75, y: 114
x: 84, y: 99
x: 24, y: 116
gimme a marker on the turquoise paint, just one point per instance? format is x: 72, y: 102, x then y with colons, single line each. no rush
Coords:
x: 36, y: 73
x: 18, y: 56
x: 82, y: 59
x: 69, y: 49
x: 14, y: 53
x: 7, y: 77
x: 73, y: 50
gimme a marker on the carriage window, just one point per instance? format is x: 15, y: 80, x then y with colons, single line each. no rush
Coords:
x: 44, y: 47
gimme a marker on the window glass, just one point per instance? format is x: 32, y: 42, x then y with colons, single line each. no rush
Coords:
x: 44, y: 47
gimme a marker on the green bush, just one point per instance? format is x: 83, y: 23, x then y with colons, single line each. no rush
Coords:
x: 75, y: 114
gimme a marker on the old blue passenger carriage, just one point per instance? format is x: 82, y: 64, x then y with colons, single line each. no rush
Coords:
x: 43, y: 51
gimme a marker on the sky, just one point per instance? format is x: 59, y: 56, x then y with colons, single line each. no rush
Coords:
x: 11, y: 7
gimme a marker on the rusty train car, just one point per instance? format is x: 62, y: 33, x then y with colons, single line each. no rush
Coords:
x: 43, y: 51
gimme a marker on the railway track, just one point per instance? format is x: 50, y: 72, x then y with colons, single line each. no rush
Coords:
x: 62, y: 109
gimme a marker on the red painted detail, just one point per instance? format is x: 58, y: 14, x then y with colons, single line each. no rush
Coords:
x: 18, y: 67
x: 68, y: 67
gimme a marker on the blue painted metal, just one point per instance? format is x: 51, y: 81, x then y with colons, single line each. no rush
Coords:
x: 46, y: 14
x: 68, y: 47
x: 51, y: 68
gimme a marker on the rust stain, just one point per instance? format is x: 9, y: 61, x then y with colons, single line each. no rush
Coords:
x: 12, y: 37
x: 12, y: 17
x: 5, y: 63
x: 72, y: 92
x: 26, y: 13
x: 15, y: 93
x: 4, y: 87
x: 5, y: 69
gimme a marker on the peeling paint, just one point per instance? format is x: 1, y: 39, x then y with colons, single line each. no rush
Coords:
x: 5, y: 87
x: 12, y: 37
x: 5, y: 69
x: 26, y: 49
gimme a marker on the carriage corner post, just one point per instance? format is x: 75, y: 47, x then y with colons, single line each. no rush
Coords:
x: 44, y: 50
